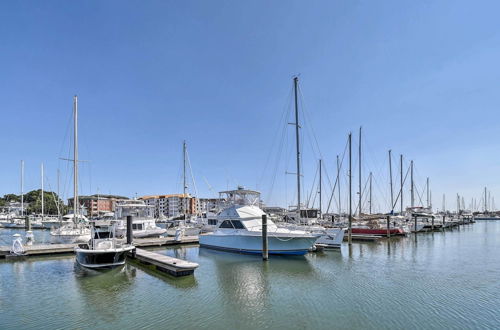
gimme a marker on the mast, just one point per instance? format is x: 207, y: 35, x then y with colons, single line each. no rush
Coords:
x: 295, y: 88
x: 338, y: 182
x: 22, y: 187
x: 320, y: 187
x: 485, y: 206
x: 444, y: 203
x: 350, y: 191
x: 412, y: 194
x: 41, y: 169
x: 401, y: 189
x: 359, y: 167
x: 184, y: 187
x: 370, y: 210
x: 390, y: 181
x: 428, y: 196
x: 76, y: 205
x: 58, y: 197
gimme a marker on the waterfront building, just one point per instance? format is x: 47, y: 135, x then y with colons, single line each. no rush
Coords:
x: 172, y: 205
x: 96, y: 205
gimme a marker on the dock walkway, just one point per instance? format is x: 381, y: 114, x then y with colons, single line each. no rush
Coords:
x: 49, y: 249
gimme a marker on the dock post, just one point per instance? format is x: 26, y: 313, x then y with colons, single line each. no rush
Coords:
x: 129, y: 229
x: 415, y: 226
x: 265, y: 248
x: 27, y: 223
x: 444, y: 216
x: 388, y: 226
x: 432, y: 226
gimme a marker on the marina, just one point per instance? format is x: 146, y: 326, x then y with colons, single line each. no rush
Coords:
x: 249, y: 165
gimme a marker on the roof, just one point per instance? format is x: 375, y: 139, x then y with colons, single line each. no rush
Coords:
x: 165, y: 196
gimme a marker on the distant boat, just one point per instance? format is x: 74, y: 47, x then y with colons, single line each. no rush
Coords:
x: 103, y: 250
x: 239, y: 229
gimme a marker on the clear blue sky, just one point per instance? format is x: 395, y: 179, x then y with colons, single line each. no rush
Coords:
x: 421, y: 77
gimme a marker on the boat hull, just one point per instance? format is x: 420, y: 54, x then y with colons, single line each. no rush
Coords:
x: 96, y: 259
x: 378, y: 232
x: 252, y: 244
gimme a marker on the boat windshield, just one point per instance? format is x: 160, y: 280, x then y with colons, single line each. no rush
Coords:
x: 240, y: 197
x: 137, y: 211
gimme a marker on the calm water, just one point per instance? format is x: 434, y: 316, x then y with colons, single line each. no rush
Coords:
x: 433, y: 281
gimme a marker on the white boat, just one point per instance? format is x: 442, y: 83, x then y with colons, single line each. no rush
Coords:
x: 103, y: 250
x: 239, y: 229
x: 70, y: 234
x: 143, y: 222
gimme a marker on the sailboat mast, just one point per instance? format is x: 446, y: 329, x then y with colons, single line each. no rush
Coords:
x: 295, y: 88
x: 412, y: 195
x: 370, y: 210
x: 401, y: 180
x: 350, y: 191
x: 22, y: 187
x: 428, y: 196
x: 184, y: 200
x: 41, y: 168
x: 485, y: 207
x: 359, y: 167
x: 58, y: 197
x: 320, y: 187
x: 390, y: 180
x: 338, y: 182
x: 75, y: 161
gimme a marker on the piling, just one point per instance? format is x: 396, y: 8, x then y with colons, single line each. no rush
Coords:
x: 129, y: 229
x: 432, y: 225
x: 265, y: 250
x: 27, y: 223
x: 444, y: 216
x: 415, y: 227
x: 388, y: 226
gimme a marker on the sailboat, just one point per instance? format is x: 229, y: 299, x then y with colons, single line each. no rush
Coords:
x: 76, y: 231
x: 184, y: 226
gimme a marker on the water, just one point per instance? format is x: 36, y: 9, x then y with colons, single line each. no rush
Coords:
x: 434, y: 281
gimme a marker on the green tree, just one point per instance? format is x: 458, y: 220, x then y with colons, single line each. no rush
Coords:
x: 34, y: 198
x: 12, y: 198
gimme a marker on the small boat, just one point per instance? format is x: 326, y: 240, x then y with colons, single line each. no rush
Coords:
x: 239, y: 229
x: 103, y: 250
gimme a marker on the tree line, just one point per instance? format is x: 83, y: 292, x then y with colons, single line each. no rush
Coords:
x: 34, y: 201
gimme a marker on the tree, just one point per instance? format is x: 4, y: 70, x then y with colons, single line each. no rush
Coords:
x: 11, y: 198
x: 34, y: 198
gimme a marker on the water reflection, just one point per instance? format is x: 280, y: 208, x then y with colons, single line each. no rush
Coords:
x: 101, y: 289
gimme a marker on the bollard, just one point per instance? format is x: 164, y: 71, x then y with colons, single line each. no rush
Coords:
x: 30, y: 238
x: 265, y: 252
x: 388, y: 227
x: 129, y: 229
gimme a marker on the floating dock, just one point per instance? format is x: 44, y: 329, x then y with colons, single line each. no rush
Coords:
x: 50, y: 249
x: 163, y: 263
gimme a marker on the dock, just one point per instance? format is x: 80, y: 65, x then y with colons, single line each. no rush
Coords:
x: 163, y: 263
x: 51, y: 249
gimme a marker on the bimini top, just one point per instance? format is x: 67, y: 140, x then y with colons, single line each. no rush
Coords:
x: 240, y: 196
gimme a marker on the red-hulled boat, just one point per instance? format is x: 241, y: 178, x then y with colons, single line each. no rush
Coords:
x: 377, y: 231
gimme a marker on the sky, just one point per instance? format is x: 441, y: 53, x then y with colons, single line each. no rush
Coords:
x: 420, y: 77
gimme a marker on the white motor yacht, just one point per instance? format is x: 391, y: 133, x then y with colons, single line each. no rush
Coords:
x: 239, y: 229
